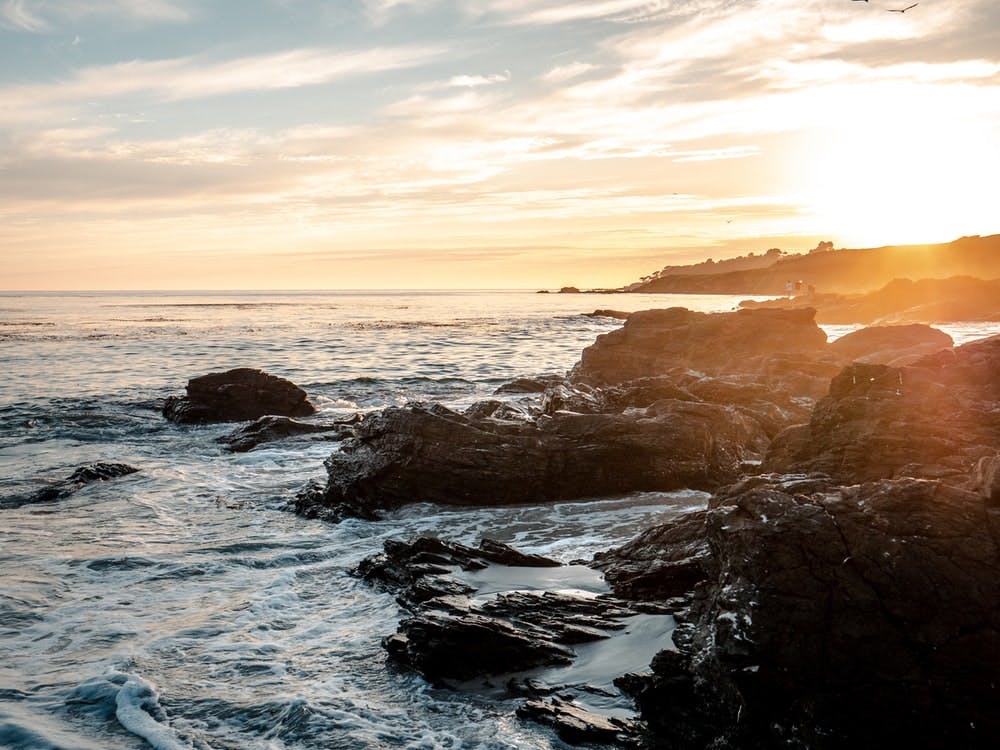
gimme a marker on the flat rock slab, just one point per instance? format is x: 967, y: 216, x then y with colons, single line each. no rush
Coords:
x: 97, y: 472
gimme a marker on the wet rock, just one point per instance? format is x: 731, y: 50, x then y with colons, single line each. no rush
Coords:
x: 453, y: 638
x: 654, y: 341
x: 97, y: 472
x: 420, y: 570
x: 529, y: 385
x: 661, y: 563
x: 269, y: 429
x: 890, y: 345
x: 500, y: 410
x: 578, y: 726
x: 987, y: 478
x: 235, y: 396
x: 602, y: 313
x: 858, y: 616
x: 934, y: 418
x: 432, y: 454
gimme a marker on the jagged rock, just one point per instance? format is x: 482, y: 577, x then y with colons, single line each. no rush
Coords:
x: 235, y: 396
x: 603, y: 313
x: 987, y: 478
x: 661, y: 563
x: 890, y: 345
x: 934, y: 418
x: 529, y: 385
x: 453, y: 638
x: 268, y: 429
x: 419, y: 570
x: 654, y: 341
x: 831, y: 617
x: 432, y: 454
x: 501, y: 410
x: 577, y: 726
x: 97, y: 472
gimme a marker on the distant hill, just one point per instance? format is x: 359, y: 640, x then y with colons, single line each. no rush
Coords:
x: 842, y: 271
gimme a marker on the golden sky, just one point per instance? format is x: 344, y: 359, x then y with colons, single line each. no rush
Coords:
x: 188, y: 144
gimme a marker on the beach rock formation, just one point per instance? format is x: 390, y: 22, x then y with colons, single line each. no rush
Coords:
x: 831, y: 617
x: 432, y: 454
x: 890, y: 345
x: 97, y: 472
x: 902, y: 301
x: 421, y: 570
x: 653, y: 342
x: 235, y: 396
x: 578, y: 726
x: 934, y: 418
x: 268, y: 429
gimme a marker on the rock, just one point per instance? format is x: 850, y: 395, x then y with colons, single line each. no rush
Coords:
x: 235, y: 396
x: 432, y: 454
x: 453, y: 638
x: 529, y: 385
x: 654, y: 341
x: 503, y: 411
x: 269, y: 429
x: 97, y: 472
x: 858, y: 616
x: 903, y: 300
x: 934, y: 418
x: 420, y: 570
x: 987, y: 478
x: 578, y: 726
x: 890, y: 345
x: 616, y: 314
x: 569, y: 290
x: 663, y: 562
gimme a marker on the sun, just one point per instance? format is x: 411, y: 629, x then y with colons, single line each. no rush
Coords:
x: 914, y: 169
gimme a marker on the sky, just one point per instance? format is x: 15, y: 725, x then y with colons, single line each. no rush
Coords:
x: 283, y: 144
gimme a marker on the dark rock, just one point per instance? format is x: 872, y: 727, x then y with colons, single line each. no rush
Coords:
x: 890, y: 345
x: 987, y: 478
x: 452, y: 638
x: 661, y: 563
x: 432, y: 454
x: 569, y: 290
x: 504, y: 411
x: 269, y: 429
x: 235, y: 396
x: 833, y: 617
x: 419, y: 570
x: 934, y: 418
x: 578, y: 726
x: 98, y: 472
x: 654, y: 341
x: 616, y: 314
x: 529, y: 385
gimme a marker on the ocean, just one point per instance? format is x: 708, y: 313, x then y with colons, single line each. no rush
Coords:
x: 181, y: 606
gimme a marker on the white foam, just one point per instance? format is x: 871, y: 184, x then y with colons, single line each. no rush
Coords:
x: 133, y: 700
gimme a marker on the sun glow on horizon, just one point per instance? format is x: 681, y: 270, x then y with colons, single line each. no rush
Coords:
x: 911, y: 168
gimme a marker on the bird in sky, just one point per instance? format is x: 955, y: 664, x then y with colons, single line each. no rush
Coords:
x: 901, y: 10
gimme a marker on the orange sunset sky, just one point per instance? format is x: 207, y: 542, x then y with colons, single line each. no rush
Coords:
x: 186, y: 144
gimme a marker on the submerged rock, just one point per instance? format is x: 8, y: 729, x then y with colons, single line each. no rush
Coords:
x: 235, y: 396
x: 268, y: 429
x: 433, y: 454
x: 97, y: 472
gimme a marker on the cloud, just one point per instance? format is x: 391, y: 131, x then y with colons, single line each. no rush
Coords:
x: 568, y: 72
x: 43, y: 15
x: 195, y: 77
x: 467, y: 81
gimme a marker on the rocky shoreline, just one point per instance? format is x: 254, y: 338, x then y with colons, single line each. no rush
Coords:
x: 841, y: 589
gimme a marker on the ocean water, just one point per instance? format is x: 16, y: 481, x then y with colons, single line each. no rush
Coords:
x: 180, y: 607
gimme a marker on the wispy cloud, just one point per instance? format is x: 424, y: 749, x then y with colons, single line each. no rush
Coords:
x: 568, y: 72
x: 44, y: 15
x: 195, y: 77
